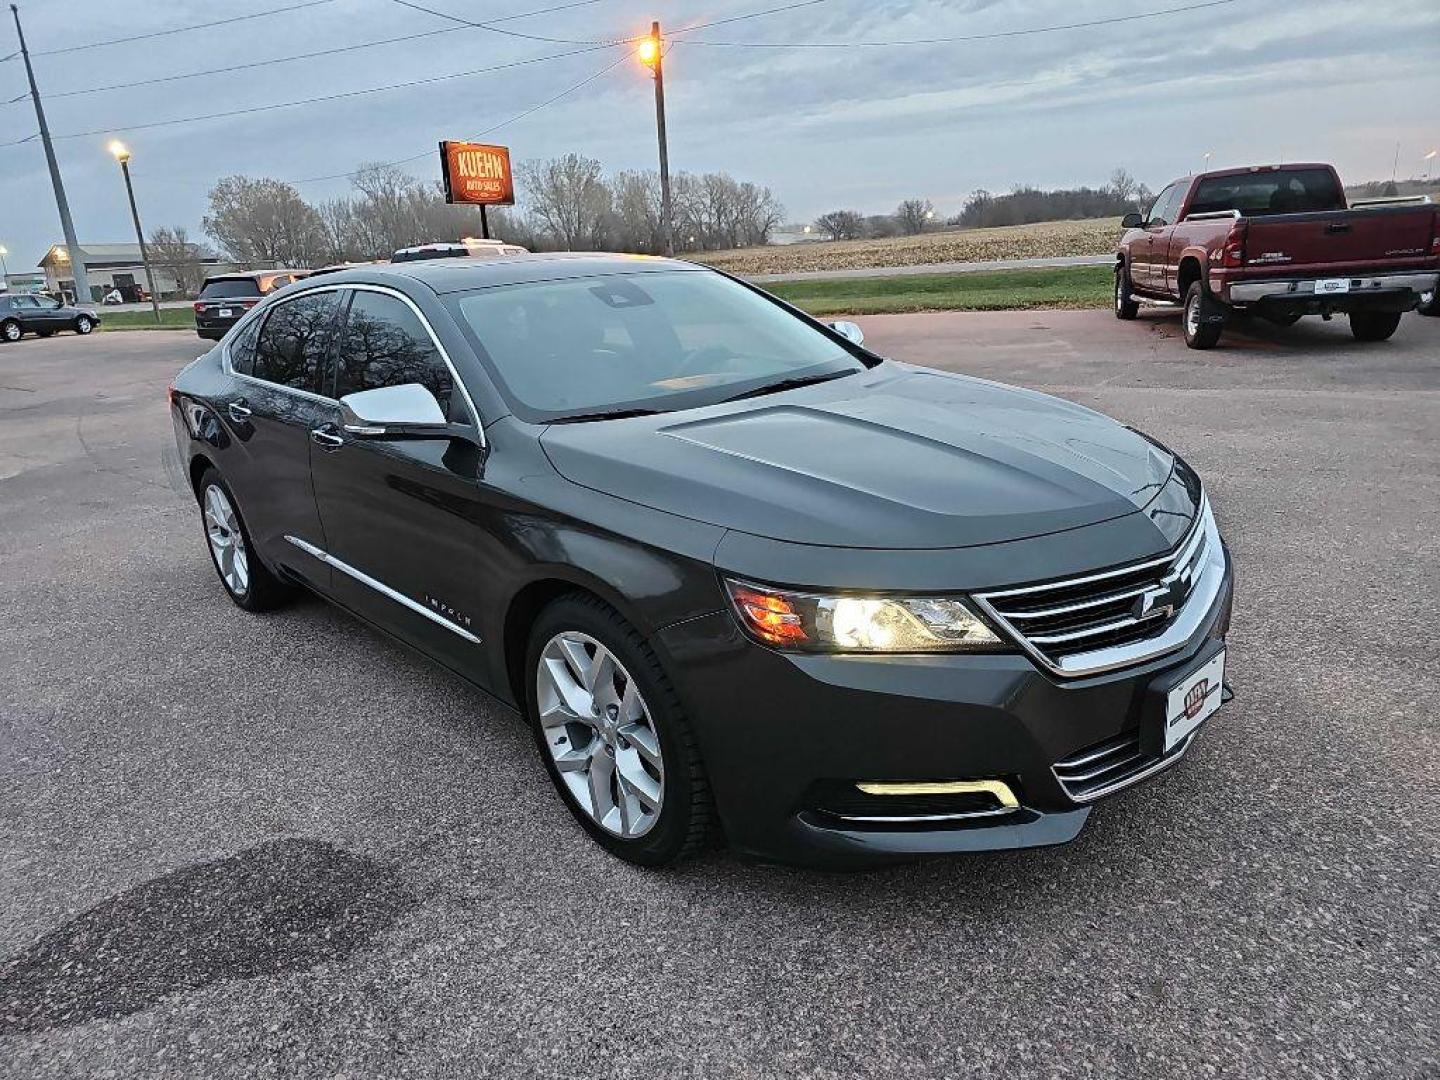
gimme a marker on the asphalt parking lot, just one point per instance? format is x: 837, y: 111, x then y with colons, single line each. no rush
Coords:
x: 240, y: 846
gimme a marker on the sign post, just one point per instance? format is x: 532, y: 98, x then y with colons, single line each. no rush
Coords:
x: 477, y: 174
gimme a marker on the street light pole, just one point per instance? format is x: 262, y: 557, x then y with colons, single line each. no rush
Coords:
x: 4, y: 269
x: 77, y: 258
x: 652, y: 54
x: 122, y: 155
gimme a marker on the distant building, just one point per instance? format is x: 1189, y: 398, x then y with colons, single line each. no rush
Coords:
x: 24, y: 283
x: 111, y: 266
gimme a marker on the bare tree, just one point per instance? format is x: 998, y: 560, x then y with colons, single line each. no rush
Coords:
x: 568, y: 200
x: 635, y: 211
x: 260, y: 220
x: 172, y: 250
x: 913, y: 215
x: 841, y: 224
x: 339, y: 230
x: 1123, y: 185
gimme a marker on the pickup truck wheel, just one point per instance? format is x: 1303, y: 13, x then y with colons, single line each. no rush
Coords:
x: 1431, y: 307
x: 1125, y: 305
x: 1200, y: 331
x: 1373, y: 325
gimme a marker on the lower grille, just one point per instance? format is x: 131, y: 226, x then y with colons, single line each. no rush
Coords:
x: 1111, y: 765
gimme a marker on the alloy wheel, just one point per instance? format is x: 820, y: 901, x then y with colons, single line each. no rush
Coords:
x: 227, y: 542
x: 12, y: 331
x: 1192, y: 316
x: 600, y: 734
x: 82, y: 325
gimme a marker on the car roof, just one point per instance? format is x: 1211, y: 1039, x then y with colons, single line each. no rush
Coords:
x: 464, y: 273
x: 251, y: 275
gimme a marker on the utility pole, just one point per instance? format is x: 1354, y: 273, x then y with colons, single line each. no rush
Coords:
x: 652, y: 54
x: 77, y: 259
x: 122, y: 155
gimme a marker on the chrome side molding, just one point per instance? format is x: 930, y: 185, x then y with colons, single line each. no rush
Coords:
x: 381, y: 588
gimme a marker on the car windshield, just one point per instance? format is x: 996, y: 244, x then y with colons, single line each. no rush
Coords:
x: 649, y: 341
x: 1284, y: 191
x: 227, y: 287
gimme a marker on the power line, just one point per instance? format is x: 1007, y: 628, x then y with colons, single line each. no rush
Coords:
x: 749, y: 15
x: 515, y: 33
x: 310, y: 55
x: 324, y: 98
x: 492, y: 128
x: 183, y: 29
x: 1112, y: 20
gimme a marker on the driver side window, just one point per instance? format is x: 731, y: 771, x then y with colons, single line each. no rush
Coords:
x: 1160, y: 209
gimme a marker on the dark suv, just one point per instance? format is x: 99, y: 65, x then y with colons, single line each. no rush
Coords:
x: 27, y: 313
x: 226, y: 297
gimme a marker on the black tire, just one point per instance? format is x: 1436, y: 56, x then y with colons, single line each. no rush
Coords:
x: 1126, y: 306
x: 1431, y: 307
x: 262, y: 591
x: 84, y: 324
x: 10, y: 330
x: 1202, y: 330
x: 1373, y: 325
x: 683, y: 824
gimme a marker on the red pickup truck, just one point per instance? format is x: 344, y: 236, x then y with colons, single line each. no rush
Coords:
x: 1278, y: 241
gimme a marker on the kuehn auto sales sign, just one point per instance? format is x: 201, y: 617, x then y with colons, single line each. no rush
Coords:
x: 477, y: 173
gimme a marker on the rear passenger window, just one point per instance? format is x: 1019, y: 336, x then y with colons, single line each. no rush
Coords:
x: 386, y: 344
x: 241, y: 347
x: 294, y: 343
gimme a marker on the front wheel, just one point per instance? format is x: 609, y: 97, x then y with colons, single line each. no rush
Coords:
x: 10, y: 330
x: 245, y: 577
x: 83, y: 325
x: 613, y: 734
x: 1202, y: 326
x: 1125, y: 305
x: 1373, y: 325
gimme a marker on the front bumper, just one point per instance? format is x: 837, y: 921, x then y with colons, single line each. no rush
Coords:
x: 1369, y: 292
x: 782, y: 733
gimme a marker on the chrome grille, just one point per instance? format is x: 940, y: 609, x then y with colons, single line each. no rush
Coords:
x: 1111, y: 765
x: 1107, y: 620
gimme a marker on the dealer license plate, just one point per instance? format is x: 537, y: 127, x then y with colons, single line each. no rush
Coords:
x: 1193, y: 699
x: 1331, y: 285
x: 225, y: 312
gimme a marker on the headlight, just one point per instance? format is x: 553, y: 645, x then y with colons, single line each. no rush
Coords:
x: 869, y: 624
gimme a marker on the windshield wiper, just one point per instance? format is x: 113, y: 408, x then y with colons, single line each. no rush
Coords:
x: 787, y: 384
x: 612, y: 414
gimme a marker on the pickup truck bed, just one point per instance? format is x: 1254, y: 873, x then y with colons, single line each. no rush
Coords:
x: 1288, y: 247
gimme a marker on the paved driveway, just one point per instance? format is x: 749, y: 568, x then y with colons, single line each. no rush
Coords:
x: 238, y: 846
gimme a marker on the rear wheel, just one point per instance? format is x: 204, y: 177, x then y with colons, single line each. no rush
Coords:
x: 10, y: 330
x: 1125, y: 305
x: 244, y: 576
x: 1430, y: 303
x: 1202, y: 329
x: 1373, y: 325
x: 613, y: 734
x: 83, y: 325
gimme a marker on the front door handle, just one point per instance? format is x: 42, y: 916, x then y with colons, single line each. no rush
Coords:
x: 239, y: 413
x: 326, y: 438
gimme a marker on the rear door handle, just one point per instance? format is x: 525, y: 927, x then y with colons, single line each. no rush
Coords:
x: 239, y: 413
x: 1337, y: 227
x: 326, y: 438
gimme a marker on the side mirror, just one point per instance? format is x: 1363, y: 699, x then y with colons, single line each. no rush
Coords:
x: 849, y: 331
x: 1132, y: 220
x: 394, y: 412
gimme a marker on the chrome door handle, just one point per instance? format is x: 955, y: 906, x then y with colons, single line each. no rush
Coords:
x: 327, y: 439
x: 238, y: 413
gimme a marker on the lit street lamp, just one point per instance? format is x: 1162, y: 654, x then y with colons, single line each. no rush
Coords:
x: 122, y: 155
x: 651, y: 53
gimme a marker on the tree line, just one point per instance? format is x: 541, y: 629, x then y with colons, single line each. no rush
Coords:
x: 566, y: 203
x: 1021, y: 206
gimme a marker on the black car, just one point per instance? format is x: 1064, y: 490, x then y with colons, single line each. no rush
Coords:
x: 225, y: 298
x: 742, y: 576
x: 29, y: 313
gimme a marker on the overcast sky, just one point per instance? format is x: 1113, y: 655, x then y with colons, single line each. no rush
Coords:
x: 1249, y: 81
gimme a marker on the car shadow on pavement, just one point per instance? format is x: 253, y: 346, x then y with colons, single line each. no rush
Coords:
x: 281, y: 906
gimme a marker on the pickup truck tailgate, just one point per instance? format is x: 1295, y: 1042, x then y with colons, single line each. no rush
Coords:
x: 1392, y: 236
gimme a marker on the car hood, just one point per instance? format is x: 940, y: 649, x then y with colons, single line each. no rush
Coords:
x: 897, y: 457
